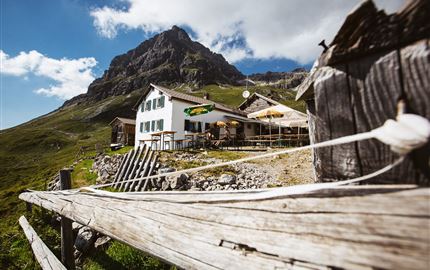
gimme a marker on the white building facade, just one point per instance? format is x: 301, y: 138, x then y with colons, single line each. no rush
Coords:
x: 162, y: 109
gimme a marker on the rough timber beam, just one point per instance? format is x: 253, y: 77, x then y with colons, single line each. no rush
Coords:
x: 357, y: 227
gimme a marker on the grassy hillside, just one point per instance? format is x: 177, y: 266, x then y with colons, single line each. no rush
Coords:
x: 30, y: 154
x: 232, y: 95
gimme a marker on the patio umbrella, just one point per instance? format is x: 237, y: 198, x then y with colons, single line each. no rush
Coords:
x: 233, y: 123
x: 199, y: 109
x: 220, y: 124
x: 270, y: 114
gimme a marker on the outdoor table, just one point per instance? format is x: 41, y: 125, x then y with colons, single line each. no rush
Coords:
x: 152, y: 141
x: 162, y: 135
x: 196, y: 137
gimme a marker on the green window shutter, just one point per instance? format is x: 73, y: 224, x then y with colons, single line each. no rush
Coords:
x: 153, y: 125
x: 160, y: 124
x: 142, y: 107
x: 187, y: 125
x: 154, y: 103
x: 141, y: 127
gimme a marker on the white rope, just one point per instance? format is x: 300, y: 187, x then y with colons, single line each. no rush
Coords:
x: 409, y: 132
x: 245, y: 196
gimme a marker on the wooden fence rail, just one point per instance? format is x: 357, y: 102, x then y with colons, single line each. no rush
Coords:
x: 43, y: 254
x: 137, y: 163
x: 354, y: 227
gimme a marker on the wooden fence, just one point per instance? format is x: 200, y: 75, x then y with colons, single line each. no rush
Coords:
x: 43, y: 255
x: 353, y: 227
x: 137, y: 163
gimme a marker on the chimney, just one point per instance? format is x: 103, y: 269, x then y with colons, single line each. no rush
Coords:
x: 206, y: 95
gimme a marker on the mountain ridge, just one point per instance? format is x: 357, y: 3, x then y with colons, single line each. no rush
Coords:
x: 170, y: 57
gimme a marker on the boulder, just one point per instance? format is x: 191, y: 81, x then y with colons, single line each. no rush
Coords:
x: 226, y: 179
x: 101, y: 241
x: 177, y: 181
x: 85, y: 239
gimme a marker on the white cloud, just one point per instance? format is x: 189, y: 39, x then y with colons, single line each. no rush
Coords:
x: 72, y: 76
x: 277, y: 28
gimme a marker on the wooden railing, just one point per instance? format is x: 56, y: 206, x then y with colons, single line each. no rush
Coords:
x: 353, y: 227
x: 43, y: 255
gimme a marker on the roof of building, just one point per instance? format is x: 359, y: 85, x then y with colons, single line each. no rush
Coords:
x: 124, y: 120
x: 192, y: 99
x: 257, y: 95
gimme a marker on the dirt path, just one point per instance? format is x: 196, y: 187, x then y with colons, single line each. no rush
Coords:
x: 290, y: 169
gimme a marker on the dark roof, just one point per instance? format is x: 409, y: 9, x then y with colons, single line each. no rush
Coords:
x: 257, y: 95
x: 189, y: 98
x: 124, y: 120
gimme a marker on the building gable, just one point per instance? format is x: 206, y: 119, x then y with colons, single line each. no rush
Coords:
x: 256, y: 102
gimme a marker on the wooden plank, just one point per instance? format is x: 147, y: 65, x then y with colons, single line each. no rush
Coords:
x: 151, y: 169
x: 334, y: 119
x: 130, y: 167
x: 145, y: 171
x: 133, y: 170
x: 415, y: 68
x: 312, y: 118
x: 124, y: 166
x: 67, y: 242
x: 340, y: 162
x: 141, y: 168
x: 377, y: 99
x: 121, y: 165
x: 42, y: 253
x: 357, y: 227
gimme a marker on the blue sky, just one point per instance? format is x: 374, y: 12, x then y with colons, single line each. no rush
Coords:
x: 52, y: 49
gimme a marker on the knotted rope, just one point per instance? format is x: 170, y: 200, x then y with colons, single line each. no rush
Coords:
x: 406, y: 133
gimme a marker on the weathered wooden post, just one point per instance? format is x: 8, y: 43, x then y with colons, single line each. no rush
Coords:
x: 67, y: 257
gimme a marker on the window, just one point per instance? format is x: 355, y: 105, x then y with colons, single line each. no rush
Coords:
x: 154, y: 104
x: 148, y: 105
x: 192, y: 126
x: 142, y: 107
x: 153, y: 125
x: 160, y: 102
x: 141, y: 126
x: 147, y: 124
x: 207, y: 126
x: 187, y: 125
x: 160, y: 124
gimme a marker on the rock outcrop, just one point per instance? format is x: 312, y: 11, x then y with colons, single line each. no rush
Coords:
x: 287, y: 80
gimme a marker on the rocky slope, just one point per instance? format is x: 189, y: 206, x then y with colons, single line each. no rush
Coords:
x: 285, y: 80
x: 170, y: 57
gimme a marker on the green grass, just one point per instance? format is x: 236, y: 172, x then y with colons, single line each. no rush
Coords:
x: 121, y: 151
x: 122, y: 257
x: 232, y: 95
x: 81, y: 175
x: 30, y: 154
x: 226, y: 155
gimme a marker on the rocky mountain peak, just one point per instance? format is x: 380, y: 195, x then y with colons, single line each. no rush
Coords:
x: 169, y: 58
